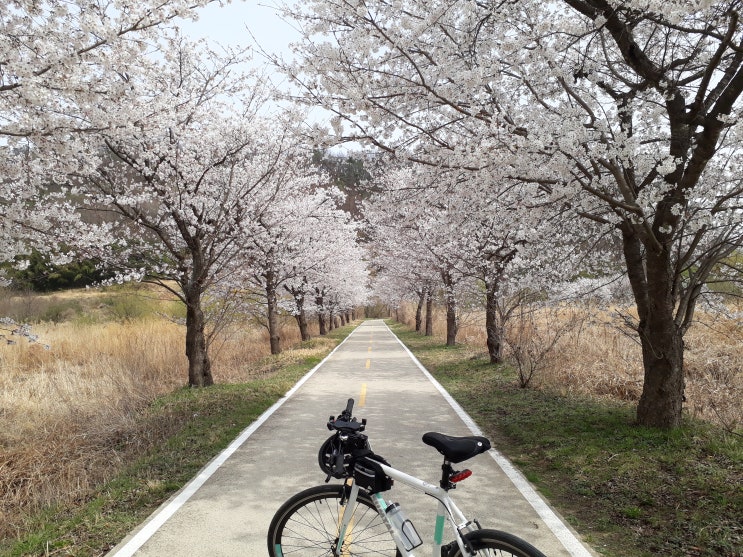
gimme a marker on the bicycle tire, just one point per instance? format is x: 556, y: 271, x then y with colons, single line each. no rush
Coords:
x: 496, y: 543
x: 306, y: 525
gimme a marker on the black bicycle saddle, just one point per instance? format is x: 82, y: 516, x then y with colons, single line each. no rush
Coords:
x: 456, y: 449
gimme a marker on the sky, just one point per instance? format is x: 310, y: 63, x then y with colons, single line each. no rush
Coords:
x: 233, y: 24
x: 229, y: 25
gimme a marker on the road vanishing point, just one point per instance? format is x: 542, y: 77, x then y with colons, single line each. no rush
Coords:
x: 226, y: 509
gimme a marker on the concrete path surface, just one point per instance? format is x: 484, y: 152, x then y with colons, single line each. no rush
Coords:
x: 226, y: 510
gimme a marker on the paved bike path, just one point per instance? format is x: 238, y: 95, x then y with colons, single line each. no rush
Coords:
x: 226, y: 510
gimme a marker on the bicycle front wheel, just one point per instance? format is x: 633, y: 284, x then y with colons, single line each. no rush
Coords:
x: 307, y: 526
x: 492, y: 543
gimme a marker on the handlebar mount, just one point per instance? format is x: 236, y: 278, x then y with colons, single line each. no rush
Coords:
x: 337, y: 452
x: 345, y: 423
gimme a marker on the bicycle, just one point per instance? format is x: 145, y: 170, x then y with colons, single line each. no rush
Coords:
x: 353, y: 518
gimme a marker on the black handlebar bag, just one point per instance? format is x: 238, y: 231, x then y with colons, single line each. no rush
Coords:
x: 368, y: 473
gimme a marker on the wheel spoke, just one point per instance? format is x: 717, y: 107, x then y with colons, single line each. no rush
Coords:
x: 308, y: 526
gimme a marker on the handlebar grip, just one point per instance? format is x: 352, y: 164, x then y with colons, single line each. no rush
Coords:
x: 349, y: 408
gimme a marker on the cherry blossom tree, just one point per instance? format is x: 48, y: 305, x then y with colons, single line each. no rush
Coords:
x: 399, y: 275
x: 296, y: 237
x: 187, y: 186
x: 59, y: 61
x: 348, y: 281
x: 343, y: 285
x: 298, y: 292
x: 491, y: 235
x: 413, y: 219
x: 628, y: 113
x: 331, y: 262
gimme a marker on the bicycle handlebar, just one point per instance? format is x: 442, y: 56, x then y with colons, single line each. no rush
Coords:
x: 346, y: 423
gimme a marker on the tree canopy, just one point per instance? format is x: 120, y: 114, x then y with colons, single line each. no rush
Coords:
x: 625, y: 113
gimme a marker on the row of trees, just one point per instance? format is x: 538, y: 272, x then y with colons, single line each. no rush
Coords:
x: 469, y: 240
x: 170, y: 170
x: 624, y: 114
x: 529, y: 142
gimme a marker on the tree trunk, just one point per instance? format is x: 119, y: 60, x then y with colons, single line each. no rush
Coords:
x: 199, y: 365
x: 662, y: 351
x: 662, y: 396
x: 419, y: 310
x: 451, y: 322
x: 429, y: 313
x: 272, y: 307
x: 320, y: 305
x: 451, y: 310
x: 301, y: 314
x: 651, y: 277
x: 494, y: 336
x: 304, y: 329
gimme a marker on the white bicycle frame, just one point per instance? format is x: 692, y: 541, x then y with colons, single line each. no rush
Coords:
x: 447, y: 509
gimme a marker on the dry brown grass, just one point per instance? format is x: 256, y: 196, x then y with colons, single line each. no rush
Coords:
x: 599, y: 358
x: 70, y: 415
x: 57, y: 406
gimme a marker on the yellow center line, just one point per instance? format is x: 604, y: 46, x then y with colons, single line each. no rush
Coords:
x: 362, y: 396
x: 368, y: 364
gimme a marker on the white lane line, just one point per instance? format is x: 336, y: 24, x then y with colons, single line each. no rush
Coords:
x: 169, y: 509
x: 553, y: 522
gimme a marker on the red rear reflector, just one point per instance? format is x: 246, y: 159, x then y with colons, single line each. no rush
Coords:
x: 459, y: 476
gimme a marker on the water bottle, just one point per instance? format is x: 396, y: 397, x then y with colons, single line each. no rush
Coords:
x: 408, y: 534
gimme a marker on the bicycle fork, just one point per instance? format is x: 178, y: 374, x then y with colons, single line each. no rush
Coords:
x: 345, y: 520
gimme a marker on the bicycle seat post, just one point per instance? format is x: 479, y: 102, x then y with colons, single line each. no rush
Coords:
x: 446, y: 472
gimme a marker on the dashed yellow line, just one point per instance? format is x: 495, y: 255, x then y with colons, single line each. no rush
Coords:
x: 368, y: 364
x: 362, y: 396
